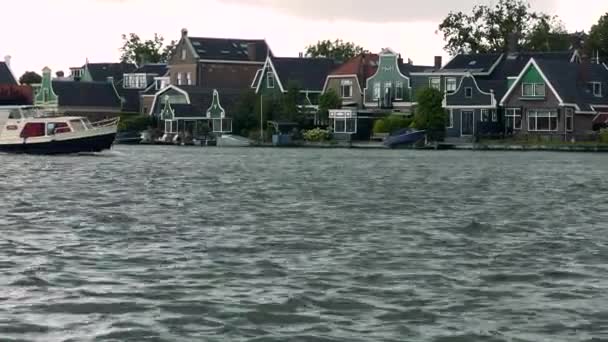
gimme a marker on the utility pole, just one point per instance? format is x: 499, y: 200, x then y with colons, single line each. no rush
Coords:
x: 261, y: 118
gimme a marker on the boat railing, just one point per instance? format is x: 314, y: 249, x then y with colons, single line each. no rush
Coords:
x: 105, y: 123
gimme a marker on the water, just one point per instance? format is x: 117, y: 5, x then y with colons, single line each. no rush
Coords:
x: 190, y: 244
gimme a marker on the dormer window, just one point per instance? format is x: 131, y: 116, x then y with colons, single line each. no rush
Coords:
x: 533, y: 89
x: 595, y: 88
x: 450, y: 84
x: 346, y: 89
x: 134, y: 81
x: 270, y: 80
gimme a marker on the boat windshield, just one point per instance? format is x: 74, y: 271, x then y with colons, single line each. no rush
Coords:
x: 26, y: 113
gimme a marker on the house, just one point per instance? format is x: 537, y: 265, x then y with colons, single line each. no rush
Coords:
x: 101, y: 72
x: 372, y: 87
x: 94, y: 100
x: 308, y: 75
x: 12, y: 94
x: 474, y: 85
x: 135, y: 87
x: 349, y: 79
x: 556, y: 98
x: 203, y: 69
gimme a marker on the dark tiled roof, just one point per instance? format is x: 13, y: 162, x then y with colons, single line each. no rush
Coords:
x: 201, y: 98
x: 308, y: 73
x: 230, y: 49
x: 183, y: 110
x: 6, y: 76
x: 473, y: 62
x: 86, y: 94
x: 101, y: 71
x: 15, y: 95
x: 407, y: 68
x: 131, y: 99
x: 152, y: 69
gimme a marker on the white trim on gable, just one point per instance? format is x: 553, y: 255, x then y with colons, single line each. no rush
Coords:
x: 575, y: 54
x: 255, y: 78
x: 523, y: 72
x: 341, y: 76
x: 388, y: 52
x: 493, y: 104
x: 216, y: 94
x: 274, y: 71
x: 171, y: 86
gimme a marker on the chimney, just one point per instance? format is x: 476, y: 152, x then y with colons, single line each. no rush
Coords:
x: 184, y: 32
x: 7, y: 60
x: 60, y: 74
x: 438, y: 62
x: 252, y: 51
x: 301, y: 55
x: 399, y: 59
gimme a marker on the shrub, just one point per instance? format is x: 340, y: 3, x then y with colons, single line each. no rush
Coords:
x: 604, y: 136
x: 391, y: 123
x: 134, y: 122
x: 316, y: 135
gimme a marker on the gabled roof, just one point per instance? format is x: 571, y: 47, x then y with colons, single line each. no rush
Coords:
x: 86, y: 94
x: 6, y: 76
x: 152, y: 69
x: 201, y: 98
x: 101, y: 71
x: 308, y: 73
x: 230, y: 49
x: 363, y: 66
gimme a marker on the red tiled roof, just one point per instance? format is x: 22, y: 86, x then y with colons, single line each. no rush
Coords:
x: 363, y: 65
x: 601, y: 118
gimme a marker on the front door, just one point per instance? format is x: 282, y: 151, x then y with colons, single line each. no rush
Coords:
x: 467, y: 123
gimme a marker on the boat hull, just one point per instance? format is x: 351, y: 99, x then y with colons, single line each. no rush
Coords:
x: 88, y: 144
x: 405, y: 139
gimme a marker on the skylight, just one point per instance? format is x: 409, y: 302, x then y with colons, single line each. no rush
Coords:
x: 471, y: 63
x: 225, y: 52
x: 196, y: 43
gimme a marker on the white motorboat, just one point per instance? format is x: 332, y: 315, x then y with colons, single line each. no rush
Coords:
x: 27, y: 129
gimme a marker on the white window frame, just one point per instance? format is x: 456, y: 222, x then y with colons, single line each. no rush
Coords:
x: 535, y: 89
x: 388, y: 86
x: 345, y: 119
x: 448, y: 88
x: 514, y: 113
x: 346, y: 84
x: 569, y: 116
x: 377, y: 90
x: 179, y: 78
x: 596, y: 88
x: 270, y: 80
x: 399, y: 90
x: 435, y: 83
x: 189, y: 78
x: 468, y: 90
x: 542, y: 113
x: 485, y: 115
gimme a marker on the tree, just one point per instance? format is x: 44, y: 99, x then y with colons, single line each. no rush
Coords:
x: 290, y: 102
x: 338, y: 50
x: 430, y: 115
x: 29, y: 78
x: 245, y: 119
x: 329, y: 100
x: 136, y: 51
x: 391, y: 123
x: 491, y: 29
x: 597, y: 43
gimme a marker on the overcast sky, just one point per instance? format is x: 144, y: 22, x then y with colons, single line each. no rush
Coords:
x: 64, y: 33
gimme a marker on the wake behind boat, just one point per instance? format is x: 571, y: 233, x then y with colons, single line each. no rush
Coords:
x: 26, y: 129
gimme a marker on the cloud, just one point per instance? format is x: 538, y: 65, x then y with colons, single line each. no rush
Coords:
x: 378, y: 11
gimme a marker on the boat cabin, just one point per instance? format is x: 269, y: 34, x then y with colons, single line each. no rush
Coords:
x: 24, y: 122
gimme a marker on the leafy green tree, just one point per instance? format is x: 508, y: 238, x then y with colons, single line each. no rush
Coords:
x: 29, y: 78
x: 430, y: 115
x: 337, y: 50
x: 597, y: 42
x: 290, y: 102
x: 329, y: 100
x: 391, y: 123
x: 245, y: 119
x: 489, y: 29
x: 137, y: 51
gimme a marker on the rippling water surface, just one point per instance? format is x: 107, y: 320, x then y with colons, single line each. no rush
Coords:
x: 187, y: 244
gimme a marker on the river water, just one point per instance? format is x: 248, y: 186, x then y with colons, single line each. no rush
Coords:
x: 191, y: 244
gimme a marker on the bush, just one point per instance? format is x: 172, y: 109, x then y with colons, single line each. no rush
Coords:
x: 316, y: 135
x: 604, y: 136
x: 134, y: 122
x: 391, y: 123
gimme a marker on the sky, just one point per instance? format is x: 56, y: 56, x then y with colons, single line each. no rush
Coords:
x: 64, y: 33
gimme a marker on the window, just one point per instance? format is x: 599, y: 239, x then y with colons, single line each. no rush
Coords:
x: 569, y: 119
x: 513, y: 118
x: 388, y: 87
x: 450, y: 84
x: 77, y: 125
x: 494, y: 115
x: 183, y: 54
x: 345, y: 125
x: 399, y: 90
x: 189, y: 78
x: 595, y: 88
x: 542, y: 120
x: 533, y: 89
x: 435, y: 83
x: 376, y: 90
x: 485, y: 115
x: 33, y: 129
x: 270, y: 80
x: 179, y: 78
x: 468, y: 92
x: 450, y: 118
x: 346, y: 89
